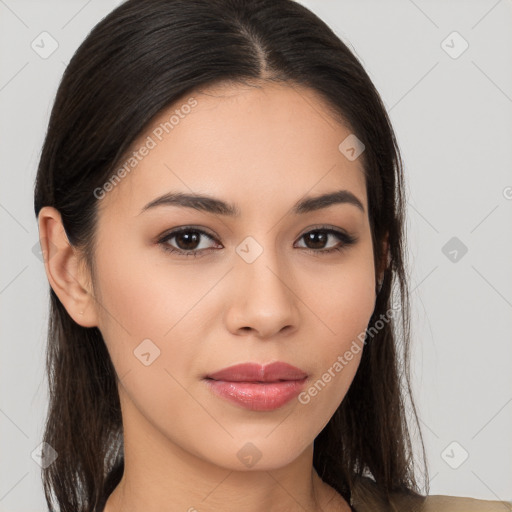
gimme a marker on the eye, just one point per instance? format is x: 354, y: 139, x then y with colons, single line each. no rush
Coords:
x: 187, y: 240
x: 319, y: 237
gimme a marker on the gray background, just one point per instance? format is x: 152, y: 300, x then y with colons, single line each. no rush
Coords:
x: 453, y: 119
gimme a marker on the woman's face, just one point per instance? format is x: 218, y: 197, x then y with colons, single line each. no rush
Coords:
x: 257, y: 287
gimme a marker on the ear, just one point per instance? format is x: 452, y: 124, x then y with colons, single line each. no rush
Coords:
x: 65, y: 274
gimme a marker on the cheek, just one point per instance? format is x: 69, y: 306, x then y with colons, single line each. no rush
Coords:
x: 151, y: 318
x: 342, y: 298
x: 335, y: 356
x: 131, y: 308
x: 147, y: 322
x: 141, y: 298
x: 342, y: 302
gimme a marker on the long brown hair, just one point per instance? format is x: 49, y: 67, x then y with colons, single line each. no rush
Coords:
x: 138, y: 60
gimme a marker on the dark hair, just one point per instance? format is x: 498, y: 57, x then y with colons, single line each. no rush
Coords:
x: 140, y: 59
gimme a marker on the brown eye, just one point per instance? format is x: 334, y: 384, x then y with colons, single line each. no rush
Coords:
x: 187, y: 241
x: 317, y: 239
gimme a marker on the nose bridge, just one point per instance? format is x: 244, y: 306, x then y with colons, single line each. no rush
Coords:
x: 264, y: 300
x: 261, y: 264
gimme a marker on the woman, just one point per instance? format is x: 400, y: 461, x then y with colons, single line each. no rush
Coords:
x: 220, y: 205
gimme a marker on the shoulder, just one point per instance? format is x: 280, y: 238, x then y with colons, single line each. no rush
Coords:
x: 367, y: 498
x: 439, y: 503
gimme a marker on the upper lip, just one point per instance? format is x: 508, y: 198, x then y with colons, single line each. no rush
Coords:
x: 255, y: 372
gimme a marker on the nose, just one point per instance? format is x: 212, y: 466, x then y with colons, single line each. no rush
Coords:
x: 262, y: 301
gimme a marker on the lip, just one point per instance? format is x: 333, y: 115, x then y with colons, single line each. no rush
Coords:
x: 255, y: 372
x: 257, y: 387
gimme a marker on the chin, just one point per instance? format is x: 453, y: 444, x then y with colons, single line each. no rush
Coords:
x: 261, y: 452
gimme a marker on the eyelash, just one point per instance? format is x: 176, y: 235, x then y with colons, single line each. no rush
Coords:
x: 346, y: 239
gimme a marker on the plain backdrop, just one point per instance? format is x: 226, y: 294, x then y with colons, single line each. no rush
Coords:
x: 444, y: 71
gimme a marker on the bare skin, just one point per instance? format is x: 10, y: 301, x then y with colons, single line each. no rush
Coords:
x: 263, y: 149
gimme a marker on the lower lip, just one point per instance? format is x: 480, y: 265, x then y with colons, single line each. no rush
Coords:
x: 257, y: 396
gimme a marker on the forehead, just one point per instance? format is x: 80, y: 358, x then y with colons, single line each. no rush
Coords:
x: 256, y: 146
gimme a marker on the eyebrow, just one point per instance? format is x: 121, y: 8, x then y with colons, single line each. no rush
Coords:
x: 209, y: 204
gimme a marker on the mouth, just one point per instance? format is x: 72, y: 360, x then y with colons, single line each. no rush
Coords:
x: 256, y: 387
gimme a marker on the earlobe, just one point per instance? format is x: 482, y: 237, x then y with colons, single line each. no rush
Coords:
x: 64, y: 273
